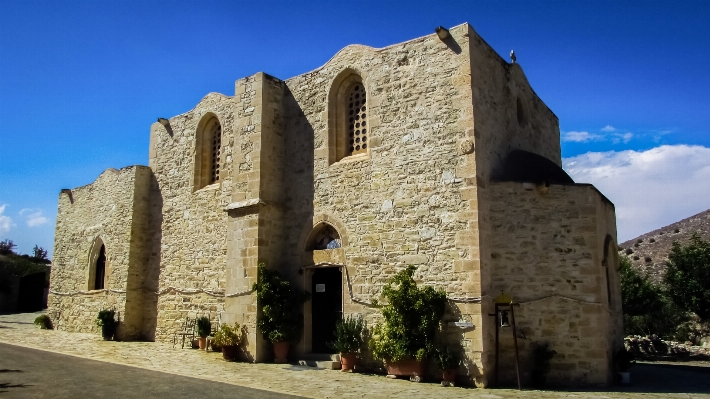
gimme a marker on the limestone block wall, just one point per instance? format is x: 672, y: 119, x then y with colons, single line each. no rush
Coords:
x: 547, y: 252
x: 193, y: 241
x: 111, y: 210
x: 256, y: 214
x: 408, y: 200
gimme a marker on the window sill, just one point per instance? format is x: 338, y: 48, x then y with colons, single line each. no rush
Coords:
x: 213, y: 186
x: 352, y: 158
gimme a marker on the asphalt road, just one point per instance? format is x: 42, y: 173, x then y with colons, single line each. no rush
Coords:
x: 30, y: 373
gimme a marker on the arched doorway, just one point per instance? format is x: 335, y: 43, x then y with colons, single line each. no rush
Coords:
x: 324, y: 279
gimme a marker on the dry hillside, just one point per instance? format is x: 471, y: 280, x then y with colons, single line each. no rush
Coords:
x: 649, y: 252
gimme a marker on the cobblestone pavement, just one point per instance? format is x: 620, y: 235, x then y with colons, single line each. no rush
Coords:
x: 652, y: 381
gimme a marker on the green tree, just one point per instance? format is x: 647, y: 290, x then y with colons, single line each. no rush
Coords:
x: 639, y: 296
x: 39, y: 252
x: 647, y: 309
x: 688, y: 276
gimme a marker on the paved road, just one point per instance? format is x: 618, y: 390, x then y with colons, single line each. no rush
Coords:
x: 30, y: 373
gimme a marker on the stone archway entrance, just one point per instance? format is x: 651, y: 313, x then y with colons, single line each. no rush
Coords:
x: 323, y: 262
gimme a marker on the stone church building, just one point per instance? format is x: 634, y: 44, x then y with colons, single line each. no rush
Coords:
x: 435, y: 152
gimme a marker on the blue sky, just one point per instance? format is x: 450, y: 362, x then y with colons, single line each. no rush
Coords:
x: 81, y: 82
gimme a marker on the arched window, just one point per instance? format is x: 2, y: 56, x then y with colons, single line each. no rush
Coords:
x: 610, y: 263
x: 208, y: 152
x: 348, y: 130
x: 100, y: 278
x: 97, y: 266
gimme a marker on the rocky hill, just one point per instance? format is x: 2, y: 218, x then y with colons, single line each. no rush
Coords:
x: 649, y: 252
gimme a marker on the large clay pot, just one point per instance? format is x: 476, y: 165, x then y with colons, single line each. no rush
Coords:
x: 230, y: 353
x: 347, y: 361
x: 413, y: 368
x: 202, y: 343
x: 281, y: 352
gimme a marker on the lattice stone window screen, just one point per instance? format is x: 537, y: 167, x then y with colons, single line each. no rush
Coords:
x: 357, y: 119
x: 216, y: 149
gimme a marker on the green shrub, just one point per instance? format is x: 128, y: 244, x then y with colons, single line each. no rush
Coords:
x: 446, y: 359
x: 349, y: 335
x: 228, y: 336
x: 106, y: 317
x: 281, y: 318
x: 44, y: 322
x: 411, y: 318
x: 204, y: 327
x: 688, y: 276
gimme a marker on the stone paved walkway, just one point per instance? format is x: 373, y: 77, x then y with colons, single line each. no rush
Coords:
x: 295, y: 380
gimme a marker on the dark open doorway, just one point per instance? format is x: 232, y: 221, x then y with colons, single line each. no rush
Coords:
x: 327, y: 306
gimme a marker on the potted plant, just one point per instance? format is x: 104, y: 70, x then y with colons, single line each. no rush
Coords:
x: 624, y: 359
x: 44, y: 322
x: 348, y: 340
x: 448, y: 362
x: 229, y: 338
x: 280, y: 319
x: 204, y: 327
x: 107, y: 322
x: 405, y: 338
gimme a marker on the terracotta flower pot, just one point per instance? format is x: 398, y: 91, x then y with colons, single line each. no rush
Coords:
x: 202, y: 343
x: 281, y: 352
x: 347, y: 361
x: 449, y: 375
x: 413, y: 368
x: 230, y: 353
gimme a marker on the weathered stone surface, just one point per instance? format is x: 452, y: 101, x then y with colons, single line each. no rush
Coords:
x: 441, y: 117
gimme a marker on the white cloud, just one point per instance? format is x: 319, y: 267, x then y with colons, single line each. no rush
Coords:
x: 6, y: 222
x: 581, y: 137
x: 650, y: 189
x: 608, y: 128
x: 33, y: 217
x: 619, y: 137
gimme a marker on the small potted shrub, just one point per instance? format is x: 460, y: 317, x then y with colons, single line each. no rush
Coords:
x: 228, y: 338
x: 448, y: 362
x: 280, y: 319
x: 204, y: 327
x: 405, y: 339
x: 348, y: 340
x: 624, y: 360
x: 44, y: 322
x: 107, y: 322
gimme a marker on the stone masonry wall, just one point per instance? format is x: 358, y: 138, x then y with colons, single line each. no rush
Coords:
x: 496, y: 87
x: 546, y: 252
x: 194, y: 225
x: 104, y: 209
x: 256, y: 232
x: 404, y: 201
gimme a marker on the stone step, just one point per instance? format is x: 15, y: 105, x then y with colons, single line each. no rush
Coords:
x: 330, y: 361
x: 321, y: 364
x: 321, y: 356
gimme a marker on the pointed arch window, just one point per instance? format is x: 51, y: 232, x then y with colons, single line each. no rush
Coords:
x: 208, y: 152
x: 348, y: 123
x: 98, y: 270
